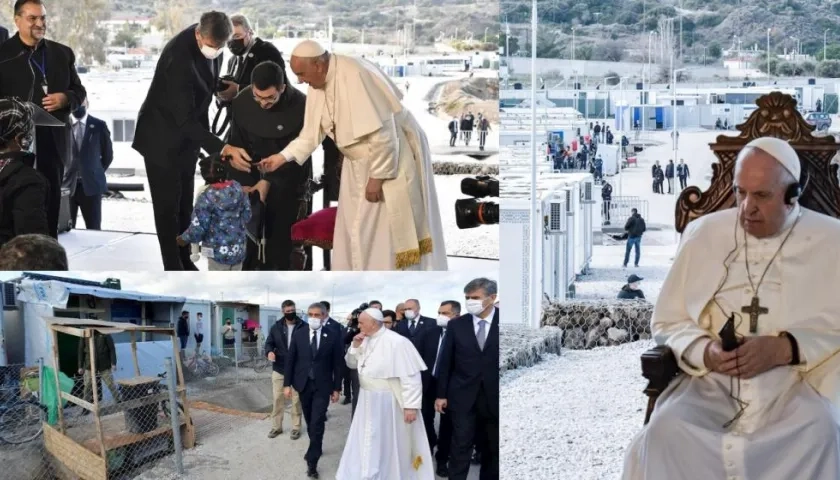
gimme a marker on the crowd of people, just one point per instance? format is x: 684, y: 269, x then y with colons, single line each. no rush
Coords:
x: 265, y: 155
x: 399, y: 370
x: 464, y: 126
x: 659, y: 176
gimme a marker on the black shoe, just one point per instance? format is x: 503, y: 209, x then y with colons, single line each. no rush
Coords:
x: 346, y: 401
x: 476, y: 459
x: 442, y: 471
x: 311, y: 471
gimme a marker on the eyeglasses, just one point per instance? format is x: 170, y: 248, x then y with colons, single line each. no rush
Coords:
x: 33, y: 19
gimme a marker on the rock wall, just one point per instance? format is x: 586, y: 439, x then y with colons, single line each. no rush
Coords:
x: 597, y: 323
x: 455, y: 168
x: 521, y: 347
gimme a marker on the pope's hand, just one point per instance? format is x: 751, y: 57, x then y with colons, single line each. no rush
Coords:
x: 287, y: 392
x: 440, y: 405
x: 272, y: 163
x: 357, y: 340
x: 373, y: 191
x: 239, y: 158
x: 719, y: 361
x: 410, y: 415
x: 761, y: 354
x: 271, y: 357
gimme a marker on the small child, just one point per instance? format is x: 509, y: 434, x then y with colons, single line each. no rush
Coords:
x: 220, y: 216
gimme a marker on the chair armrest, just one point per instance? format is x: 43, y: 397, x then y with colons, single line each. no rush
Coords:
x: 659, y: 367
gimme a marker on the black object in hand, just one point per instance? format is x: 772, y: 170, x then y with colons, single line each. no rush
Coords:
x: 728, y: 339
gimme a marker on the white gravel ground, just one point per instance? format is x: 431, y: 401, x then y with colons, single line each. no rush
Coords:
x: 571, y: 417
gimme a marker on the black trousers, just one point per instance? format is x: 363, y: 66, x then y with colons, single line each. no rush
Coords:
x: 354, y: 385
x: 172, y: 187
x: 464, y: 426
x: 314, y: 404
x: 442, y: 439
x: 49, y: 163
x: 683, y: 182
x: 90, y: 205
x: 280, y: 214
x: 346, y: 381
x: 452, y: 138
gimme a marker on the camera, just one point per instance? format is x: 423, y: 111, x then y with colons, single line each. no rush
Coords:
x: 469, y: 212
x: 221, y: 86
x: 353, y: 323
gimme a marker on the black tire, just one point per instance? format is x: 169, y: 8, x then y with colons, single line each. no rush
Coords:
x: 21, y: 423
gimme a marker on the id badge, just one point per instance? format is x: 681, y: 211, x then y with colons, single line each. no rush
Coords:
x: 45, y: 88
x: 207, y: 252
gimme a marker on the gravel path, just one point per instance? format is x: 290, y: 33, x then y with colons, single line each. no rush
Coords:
x: 575, y: 414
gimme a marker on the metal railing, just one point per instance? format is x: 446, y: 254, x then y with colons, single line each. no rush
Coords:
x: 619, y: 209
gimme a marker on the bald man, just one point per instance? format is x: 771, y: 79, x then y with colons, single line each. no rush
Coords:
x: 388, y: 216
x: 763, y: 409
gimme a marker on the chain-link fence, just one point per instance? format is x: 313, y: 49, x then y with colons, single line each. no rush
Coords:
x: 597, y: 323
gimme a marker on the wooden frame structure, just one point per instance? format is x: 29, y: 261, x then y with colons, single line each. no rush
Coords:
x: 89, y: 459
x: 778, y: 117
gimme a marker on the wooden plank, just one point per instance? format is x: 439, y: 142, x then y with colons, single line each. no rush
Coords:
x: 83, y: 462
x: 59, y: 407
x: 188, y: 439
x: 113, y: 442
x: 78, y: 401
x: 95, y: 390
x: 227, y: 411
x: 76, y: 332
x: 135, y: 381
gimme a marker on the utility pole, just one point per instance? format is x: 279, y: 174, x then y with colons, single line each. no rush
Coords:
x: 768, y: 56
x: 825, y: 37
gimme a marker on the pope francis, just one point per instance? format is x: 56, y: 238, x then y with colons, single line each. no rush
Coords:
x: 388, y: 216
x: 387, y: 439
x: 764, y: 410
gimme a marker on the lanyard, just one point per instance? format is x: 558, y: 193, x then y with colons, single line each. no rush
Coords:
x: 42, y: 67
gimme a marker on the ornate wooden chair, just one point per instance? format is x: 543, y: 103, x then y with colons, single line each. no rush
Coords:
x: 776, y: 116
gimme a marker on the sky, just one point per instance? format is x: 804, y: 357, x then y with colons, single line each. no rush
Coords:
x: 345, y: 290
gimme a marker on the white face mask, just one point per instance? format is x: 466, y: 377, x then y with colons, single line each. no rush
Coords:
x: 410, y: 314
x: 315, y: 323
x: 442, y: 320
x: 475, y: 306
x: 210, y: 53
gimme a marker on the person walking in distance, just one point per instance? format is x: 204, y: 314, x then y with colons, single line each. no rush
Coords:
x: 683, y: 174
x: 606, y: 197
x: 635, y: 228
x: 183, y: 329
x: 669, y: 174
x: 453, y: 131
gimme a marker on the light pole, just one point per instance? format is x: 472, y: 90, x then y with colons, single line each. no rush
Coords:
x: 825, y: 37
x: 485, y: 34
x: 674, y: 133
x: 768, y: 56
x: 534, y: 295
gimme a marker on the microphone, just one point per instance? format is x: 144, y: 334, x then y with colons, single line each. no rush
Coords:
x: 32, y: 70
x: 20, y: 54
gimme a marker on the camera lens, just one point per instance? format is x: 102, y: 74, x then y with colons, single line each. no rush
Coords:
x: 470, y: 213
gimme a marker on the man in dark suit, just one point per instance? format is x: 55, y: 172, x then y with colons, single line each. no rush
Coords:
x: 468, y: 383
x: 330, y: 322
x: 43, y: 72
x: 429, y: 345
x: 84, y: 176
x: 414, y: 324
x: 173, y: 126
x: 4, y: 35
x: 313, y: 368
x: 277, y: 345
x: 248, y: 52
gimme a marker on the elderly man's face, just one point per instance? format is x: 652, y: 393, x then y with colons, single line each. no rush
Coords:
x: 760, y: 184
x: 367, y: 324
x: 32, y: 22
x: 315, y: 313
x: 311, y: 71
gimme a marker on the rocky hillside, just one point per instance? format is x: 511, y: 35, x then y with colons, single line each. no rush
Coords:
x: 378, y: 18
x: 476, y: 95
x: 618, y: 29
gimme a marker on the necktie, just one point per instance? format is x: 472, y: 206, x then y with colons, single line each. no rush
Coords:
x: 437, y: 357
x: 77, y: 134
x: 482, y: 333
x: 314, y: 343
x: 411, y: 327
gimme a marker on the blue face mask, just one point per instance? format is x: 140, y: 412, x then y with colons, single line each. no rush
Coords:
x: 80, y: 112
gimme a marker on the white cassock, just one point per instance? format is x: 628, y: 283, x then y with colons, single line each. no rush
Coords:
x: 790, y: 428
x: 380, y: 445
x: 379, y: 139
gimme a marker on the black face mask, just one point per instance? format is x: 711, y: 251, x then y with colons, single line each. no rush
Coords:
x: 236, y: 46
x: 289, y: 316
x: 80, y: 112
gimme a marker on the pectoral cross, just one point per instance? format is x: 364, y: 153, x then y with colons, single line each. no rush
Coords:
x: 754, y: 309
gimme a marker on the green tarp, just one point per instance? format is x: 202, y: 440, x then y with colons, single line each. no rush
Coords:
x: 49, y: 396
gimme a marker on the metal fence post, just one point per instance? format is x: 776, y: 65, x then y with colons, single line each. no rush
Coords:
x: 174, y: 414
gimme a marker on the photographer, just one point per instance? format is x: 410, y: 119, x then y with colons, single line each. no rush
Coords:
x: 248, y: 52
x: 352, y: 331
x: 173, y: 126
